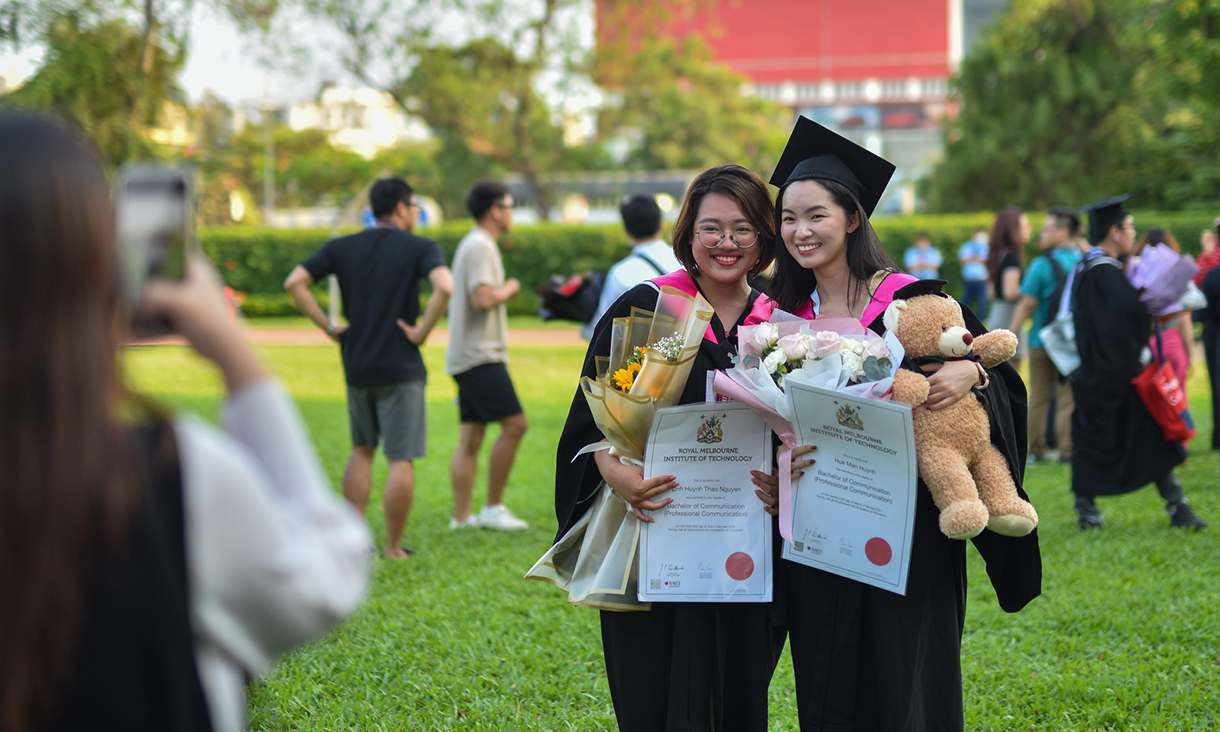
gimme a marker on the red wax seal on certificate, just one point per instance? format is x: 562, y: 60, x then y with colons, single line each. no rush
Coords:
x: 878, y: 551
x: 739, y: 565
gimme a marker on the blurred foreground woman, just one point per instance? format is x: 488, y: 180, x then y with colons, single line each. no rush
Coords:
x: 148, y: 563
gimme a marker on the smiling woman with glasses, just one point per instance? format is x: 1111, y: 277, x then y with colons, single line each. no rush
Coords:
x: 712, y: 236
x: 688, y: 666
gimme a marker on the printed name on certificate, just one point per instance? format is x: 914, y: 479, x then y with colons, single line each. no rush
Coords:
x: 713, y: 542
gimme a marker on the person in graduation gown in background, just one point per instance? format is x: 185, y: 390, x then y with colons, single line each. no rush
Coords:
x: 1118, y: 446
x: 866, y: 658
x: 683, y: 666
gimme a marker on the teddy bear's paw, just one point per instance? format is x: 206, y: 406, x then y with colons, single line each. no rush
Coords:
x: 964, y: 519
x: 1012, y: 524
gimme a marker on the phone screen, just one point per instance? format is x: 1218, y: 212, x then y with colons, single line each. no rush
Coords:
x: 153, y: 225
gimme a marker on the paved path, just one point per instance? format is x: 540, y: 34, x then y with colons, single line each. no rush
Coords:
x: 313, y: 336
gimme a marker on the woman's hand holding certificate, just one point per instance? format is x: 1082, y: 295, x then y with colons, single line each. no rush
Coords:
x: 650, y: 358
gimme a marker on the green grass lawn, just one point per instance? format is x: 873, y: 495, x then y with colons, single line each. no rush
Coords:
x: 515, y: 322
x: 1125, y: 636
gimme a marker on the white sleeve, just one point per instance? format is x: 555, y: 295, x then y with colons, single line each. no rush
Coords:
x: 612, y: 289
x: 274, y: 558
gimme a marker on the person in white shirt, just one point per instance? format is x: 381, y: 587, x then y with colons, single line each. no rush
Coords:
x: 650, y: 255
x: 477, y: 359
x: 149, y: 564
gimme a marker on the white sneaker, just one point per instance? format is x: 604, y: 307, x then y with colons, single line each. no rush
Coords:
x: 471, y: 520
x: 500, y: 519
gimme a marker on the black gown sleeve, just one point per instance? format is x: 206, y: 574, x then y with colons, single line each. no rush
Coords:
x: 1112, y: 327
x: 577, y: 478
x: 1014, y: 564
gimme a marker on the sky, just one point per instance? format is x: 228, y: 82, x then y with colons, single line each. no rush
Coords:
x: 221, y: 58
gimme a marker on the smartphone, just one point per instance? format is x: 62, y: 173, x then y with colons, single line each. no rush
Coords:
x: 154, y: 230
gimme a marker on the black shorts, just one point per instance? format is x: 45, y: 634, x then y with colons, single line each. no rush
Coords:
x: 486, y: 394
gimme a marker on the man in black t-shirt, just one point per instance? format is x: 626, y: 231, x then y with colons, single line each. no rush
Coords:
x: 379, y: 272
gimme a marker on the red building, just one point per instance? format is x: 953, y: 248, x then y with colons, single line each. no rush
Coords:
x: 875, y: 70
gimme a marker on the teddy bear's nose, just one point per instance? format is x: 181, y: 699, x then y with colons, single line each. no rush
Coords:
x: 967, y: 339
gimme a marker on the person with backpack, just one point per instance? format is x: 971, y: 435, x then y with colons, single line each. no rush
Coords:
x: 650, y: 255
x: 1117, y: 445
x: 1041, y: 291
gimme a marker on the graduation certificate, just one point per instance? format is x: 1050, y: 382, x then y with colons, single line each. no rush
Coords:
x: 853, y: 510
x: 713, y: 543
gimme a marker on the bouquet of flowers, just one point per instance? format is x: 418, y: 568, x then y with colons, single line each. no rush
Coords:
x: 832, y: 353
x: 651, y: 355
x: 1163, y: 277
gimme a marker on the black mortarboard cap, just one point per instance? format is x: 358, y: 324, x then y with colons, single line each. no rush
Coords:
x: 1104, y: 214
x: 814, y: 151
x: 921, y: 287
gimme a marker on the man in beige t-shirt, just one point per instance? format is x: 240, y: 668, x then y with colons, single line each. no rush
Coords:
x: 476, y: 358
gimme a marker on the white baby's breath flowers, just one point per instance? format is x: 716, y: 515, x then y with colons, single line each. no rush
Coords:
x: 669, y: 348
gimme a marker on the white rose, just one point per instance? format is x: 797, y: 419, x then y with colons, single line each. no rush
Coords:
x: 825, y: 343
x: 853, y: 365
x: 854, y: 346
x: 773, y: 360
x: 765, y: 335
x: 794, y: 346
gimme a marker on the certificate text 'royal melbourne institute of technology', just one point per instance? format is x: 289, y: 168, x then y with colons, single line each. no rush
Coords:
x: 854, y: 509
x: 713, y: 543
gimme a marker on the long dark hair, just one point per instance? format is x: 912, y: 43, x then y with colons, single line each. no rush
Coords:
x: 1004, y: 239
x: 1155, y: 236
x: 67, y: 477
x: 748, y: 190
x: 792, y: 284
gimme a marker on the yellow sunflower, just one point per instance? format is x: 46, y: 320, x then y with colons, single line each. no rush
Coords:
x: 624, y: 378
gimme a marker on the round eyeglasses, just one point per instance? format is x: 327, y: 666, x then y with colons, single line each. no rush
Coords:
x: 712, y: 237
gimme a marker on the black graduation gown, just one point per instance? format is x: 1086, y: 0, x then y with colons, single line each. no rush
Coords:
x: 1117, y: 445
x: 1211, y: 344
x: 680, y: 666
x: 133, y: 666
x: 868, y: 659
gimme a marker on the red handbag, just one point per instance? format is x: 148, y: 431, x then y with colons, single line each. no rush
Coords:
x: 1162, y: 393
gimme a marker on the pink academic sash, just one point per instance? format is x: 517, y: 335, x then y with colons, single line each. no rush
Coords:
x: 882, y: 297
x: 683, y: 282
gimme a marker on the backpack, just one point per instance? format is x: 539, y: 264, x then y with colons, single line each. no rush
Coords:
x: 576, y: 297
x: 1059, y: 335
x: 1060, y: 280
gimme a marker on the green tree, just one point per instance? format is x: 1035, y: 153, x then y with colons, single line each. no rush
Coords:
x: 1187, y: 34
x: 501, y: 86
x: 112, y: 64
x: 681, y: 110
x: 94, y: 75
x: 482, y: 90
x: 309, y: 170
x: 1053, y: 108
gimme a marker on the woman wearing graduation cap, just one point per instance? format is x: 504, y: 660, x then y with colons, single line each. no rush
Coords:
x: 866, y: 658
x: 683, y: 666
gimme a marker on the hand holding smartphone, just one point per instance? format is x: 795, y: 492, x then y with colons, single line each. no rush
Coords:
x: 155, y: 233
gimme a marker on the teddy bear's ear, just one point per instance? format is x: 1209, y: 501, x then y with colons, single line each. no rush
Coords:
x: 890, y: 318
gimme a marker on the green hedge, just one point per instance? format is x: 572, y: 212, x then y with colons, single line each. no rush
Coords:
x: 256, y: 261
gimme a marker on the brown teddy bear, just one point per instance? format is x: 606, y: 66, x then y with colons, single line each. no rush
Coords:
x: 967, y: 475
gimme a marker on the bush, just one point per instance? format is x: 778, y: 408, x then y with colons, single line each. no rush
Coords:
x: 256, y: 261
